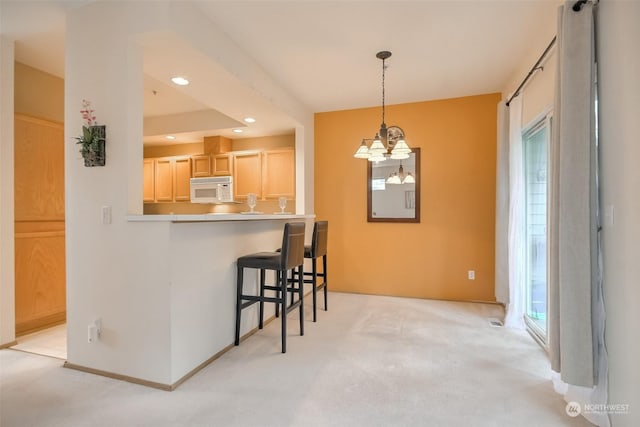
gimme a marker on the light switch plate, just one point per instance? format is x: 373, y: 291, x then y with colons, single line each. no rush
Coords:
x: 106, y: 214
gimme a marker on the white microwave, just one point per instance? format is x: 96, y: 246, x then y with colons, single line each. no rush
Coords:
x: 214, y: 189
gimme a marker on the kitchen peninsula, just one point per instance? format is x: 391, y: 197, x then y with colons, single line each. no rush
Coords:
x: 193, y: 267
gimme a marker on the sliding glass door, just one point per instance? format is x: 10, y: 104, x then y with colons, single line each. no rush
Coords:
x: 536, y: 144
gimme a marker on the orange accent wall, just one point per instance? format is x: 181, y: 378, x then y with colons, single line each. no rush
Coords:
x: 429, y: 259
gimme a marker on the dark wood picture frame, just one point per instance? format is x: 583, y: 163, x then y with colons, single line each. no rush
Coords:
x: 418, y: 177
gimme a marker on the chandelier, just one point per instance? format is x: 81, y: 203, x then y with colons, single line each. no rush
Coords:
x: 388, y: 142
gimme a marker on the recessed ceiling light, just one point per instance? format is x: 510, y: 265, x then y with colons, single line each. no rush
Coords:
x: 170, y: 137
x: 249, y: 120
x: 180, y: 81
x: 238, y: 131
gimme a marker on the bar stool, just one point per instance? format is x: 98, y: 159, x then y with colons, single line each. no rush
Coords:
x: 289, y: 258
x: 317, y: 249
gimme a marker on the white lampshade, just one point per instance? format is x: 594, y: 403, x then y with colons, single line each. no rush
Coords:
x: 394, y: 179
x: 409, y: 179
x: 377, y: 146
x: 376, y: 157
x: 401, y: 147
x: 399, y: 156
x: 363, y: 151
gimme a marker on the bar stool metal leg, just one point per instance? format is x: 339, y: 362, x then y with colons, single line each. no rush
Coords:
x: 238, y: 303
x: 283, y: 303
x: 260, y: 322
x: 326, y: 283
x: 314, y: 280
x: 300, y: 297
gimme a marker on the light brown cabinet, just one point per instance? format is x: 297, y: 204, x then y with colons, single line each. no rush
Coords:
x: 222, y: 164
x: 181, y: 177
x: 40, y: 295
x: 278, y: 174
x: 170, y: 179
x: 270, y: 174
x: 247, y: 174
x: 148, y: 180
x: 201, y: 165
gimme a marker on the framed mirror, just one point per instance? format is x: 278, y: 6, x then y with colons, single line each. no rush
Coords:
x: 393, y: 189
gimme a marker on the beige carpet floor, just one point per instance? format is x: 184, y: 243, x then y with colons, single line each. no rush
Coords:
x: 369, y: 361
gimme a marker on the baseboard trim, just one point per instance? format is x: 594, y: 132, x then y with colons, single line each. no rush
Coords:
x: 157, y: 385
x: 120, y: 377
x: 31, y: 326
x: 429, y: 299
x: 9, y: 344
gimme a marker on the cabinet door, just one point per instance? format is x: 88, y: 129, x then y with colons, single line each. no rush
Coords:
x: 182, y: 175
x: 164, y: 180
x: 148, y: 179
x: 222, y: 165
x: 278, y: 174
x: 201, y: 165
x: 247, y: 174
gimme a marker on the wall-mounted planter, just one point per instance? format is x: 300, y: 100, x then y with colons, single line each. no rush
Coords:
x: 94, y: 153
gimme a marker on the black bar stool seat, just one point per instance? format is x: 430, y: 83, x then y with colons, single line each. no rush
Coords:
x: 291, y: 257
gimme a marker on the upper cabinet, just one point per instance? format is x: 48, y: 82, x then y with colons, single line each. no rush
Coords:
x: 247, y: 174
x: 201, y: 165
x: 181, y: 179
x: 148, y: 180
x: 270, y: 174
x: 278, y: 174
x: 222, y: 164
x: 166, y: 179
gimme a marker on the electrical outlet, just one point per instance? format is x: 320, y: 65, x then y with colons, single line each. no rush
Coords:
x: 471, y: 275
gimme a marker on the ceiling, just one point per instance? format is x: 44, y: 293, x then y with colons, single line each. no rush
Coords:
x: 322, y: 53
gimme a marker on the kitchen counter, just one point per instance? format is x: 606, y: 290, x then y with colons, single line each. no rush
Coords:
x: 215, y: 217
x: 187, y: 263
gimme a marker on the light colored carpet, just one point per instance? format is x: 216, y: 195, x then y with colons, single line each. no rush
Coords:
x: 369, y: 361
x: 50, y: 342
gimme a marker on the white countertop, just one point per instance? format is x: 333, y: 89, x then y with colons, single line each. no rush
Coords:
x: 211, y: 217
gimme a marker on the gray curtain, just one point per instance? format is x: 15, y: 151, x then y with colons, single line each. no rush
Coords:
x: 576, y: 316
x: 502, y: 207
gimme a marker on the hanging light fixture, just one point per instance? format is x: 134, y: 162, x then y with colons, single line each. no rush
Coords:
x: 400, y: 178
x: 388, y: 142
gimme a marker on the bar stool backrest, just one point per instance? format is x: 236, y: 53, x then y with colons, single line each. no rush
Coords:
x: 292, y: 254
x: 319, y: 239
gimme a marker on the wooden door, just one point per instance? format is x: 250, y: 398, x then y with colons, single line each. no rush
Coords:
x: 164, y: 180
x: 278, y: 174
x: 181, y: 177
x: 40, y: 297
x: 201, y: 165
x: 247, y: 174
x: 222, y: 165
x: 148, y: 179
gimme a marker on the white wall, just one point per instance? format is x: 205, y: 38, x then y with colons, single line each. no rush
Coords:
x: 619, y: 108
x: 129, y: 274
x: 7, y: 273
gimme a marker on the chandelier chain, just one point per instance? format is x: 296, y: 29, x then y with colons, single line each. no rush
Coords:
x: 383, y: 70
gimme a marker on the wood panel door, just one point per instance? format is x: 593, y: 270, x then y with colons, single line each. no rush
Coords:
x: 247, y: 174
x: 201, y: 165
x: 278, y: 174
x: 164, y: 180
x: 181, y: 179
x: 148, y: 180
x: 222, y: 165
x: 40, y: 297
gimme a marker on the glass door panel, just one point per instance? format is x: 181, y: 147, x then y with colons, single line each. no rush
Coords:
x: 535, y: 143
